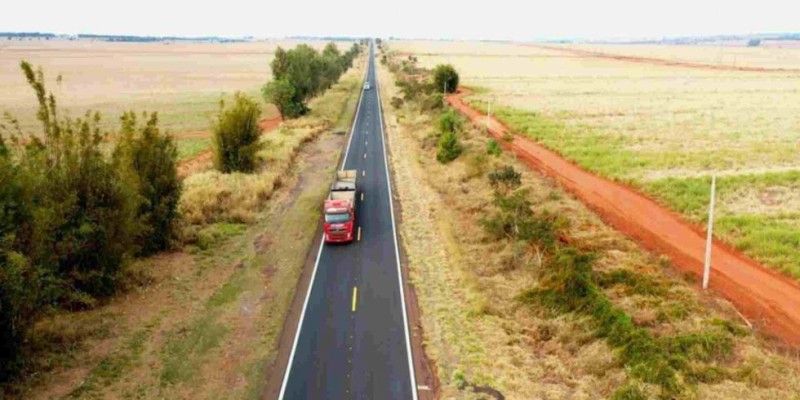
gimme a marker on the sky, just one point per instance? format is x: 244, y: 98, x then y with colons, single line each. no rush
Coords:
x: 436, y: 19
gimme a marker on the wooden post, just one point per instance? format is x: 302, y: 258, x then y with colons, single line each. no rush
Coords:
x: 707, y: 268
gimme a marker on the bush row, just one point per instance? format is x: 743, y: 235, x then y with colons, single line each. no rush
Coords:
x: 70, y: 215
x: 301, y: 73
x: 570, y: 285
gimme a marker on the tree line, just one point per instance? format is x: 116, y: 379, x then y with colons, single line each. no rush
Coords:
x: 301, y: 73
x: 71, y: 216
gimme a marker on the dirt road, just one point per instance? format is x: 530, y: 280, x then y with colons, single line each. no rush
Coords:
x: 770, y: 300
x: 659, y: 61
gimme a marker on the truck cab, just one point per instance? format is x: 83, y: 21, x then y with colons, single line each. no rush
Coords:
x: 339, y: 209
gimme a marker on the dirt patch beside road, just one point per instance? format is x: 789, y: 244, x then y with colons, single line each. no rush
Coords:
x: 770, y: 300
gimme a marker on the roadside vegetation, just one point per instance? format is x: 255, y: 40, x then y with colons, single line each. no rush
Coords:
x: 661, y: 129
x: 84, y: 221
x: 301, y: 73
x: 236, y: 136
x: 71, y: 217
x: 525, y: 292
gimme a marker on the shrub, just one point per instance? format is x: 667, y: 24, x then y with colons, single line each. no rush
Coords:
x: 84, y: 212
x: 412, y: 89
x: 236, y: 136
x: 504, y: 180
x: 433, y: 102
x: 449, y: 148
x: 445, y: 78
x: 397, y: 102
x: 69, y: 216
x: 149, y: 160
x: 493, y: 148
x: 19, y: 280
x: 450, y: 121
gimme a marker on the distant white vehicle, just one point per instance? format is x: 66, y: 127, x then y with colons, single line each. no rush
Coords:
x: 366, y: 86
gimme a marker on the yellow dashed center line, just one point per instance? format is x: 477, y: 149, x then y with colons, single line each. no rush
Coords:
x: 355, y: 296
x: 362, y: 196
x: 359, y: 233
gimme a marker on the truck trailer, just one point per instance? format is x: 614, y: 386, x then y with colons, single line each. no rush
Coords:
x: 340, y: 208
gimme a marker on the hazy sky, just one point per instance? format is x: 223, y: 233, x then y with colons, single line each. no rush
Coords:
x: 495, y: 19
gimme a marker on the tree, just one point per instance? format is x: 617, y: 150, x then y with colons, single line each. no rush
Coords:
x: 236, y: 135
x: 19, y: 280
x: 282, y: 93
x: 85, y: 213
x: 301, y: 73
x: 445, y: 74
x: 331, y: 66
x: 149, y: 160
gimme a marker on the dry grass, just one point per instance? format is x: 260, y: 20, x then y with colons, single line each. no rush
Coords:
x: 771, y: 55
x: 662, y: 128
x: 474, y: 325
x: 212, y: 196
x: 696, y: 117
x: 183, y: 82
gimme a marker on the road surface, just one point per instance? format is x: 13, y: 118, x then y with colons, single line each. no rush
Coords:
x: 352, y: 341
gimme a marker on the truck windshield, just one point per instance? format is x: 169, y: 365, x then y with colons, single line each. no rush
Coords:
x: 337, y: 218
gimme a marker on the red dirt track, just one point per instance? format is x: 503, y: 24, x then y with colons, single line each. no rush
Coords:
x: 660, y: 61
x: 770, y: 300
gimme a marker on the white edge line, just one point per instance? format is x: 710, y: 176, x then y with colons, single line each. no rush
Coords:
x: 355, y: 120
x: 300, y: 325
x: 396, y: 250
x: 319, y: 253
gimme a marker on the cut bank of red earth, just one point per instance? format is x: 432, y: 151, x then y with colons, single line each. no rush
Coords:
x: 766, y: 297
x: 660, y: 61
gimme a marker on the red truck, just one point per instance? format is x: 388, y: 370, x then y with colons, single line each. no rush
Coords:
x: 340, y: 208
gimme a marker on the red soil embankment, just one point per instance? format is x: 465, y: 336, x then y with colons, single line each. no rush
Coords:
x: 768, y: 298
x: 204, y: 158
x: 660, y: 61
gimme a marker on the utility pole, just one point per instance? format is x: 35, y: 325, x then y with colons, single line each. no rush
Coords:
x: 707, y: 268
x: 488, y: 115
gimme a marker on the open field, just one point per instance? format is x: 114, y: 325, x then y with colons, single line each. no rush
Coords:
x: 663, y: 129
x: 485, y: 335
x: 183, y: 82
x: 724, y: 56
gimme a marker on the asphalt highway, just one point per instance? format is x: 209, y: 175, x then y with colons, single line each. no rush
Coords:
x: 353, y: 341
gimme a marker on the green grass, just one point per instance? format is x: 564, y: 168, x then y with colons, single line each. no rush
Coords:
x: 114, y: 366
x: 690, y: 195
x: 773, y: 240
x: 178, y: 112
x: 188, y: 148
x: 770, y: 239
x: 212, y: 234
x: 570, y: 286
x: 346, y: 115
x: 186, y: 348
